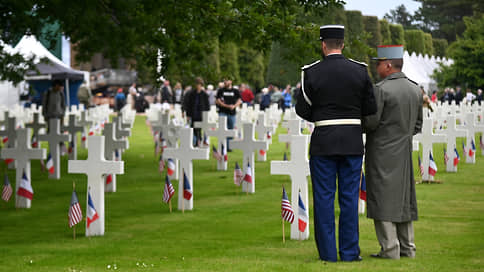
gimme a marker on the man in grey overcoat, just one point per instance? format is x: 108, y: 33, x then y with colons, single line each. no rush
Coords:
x: 392, y: 202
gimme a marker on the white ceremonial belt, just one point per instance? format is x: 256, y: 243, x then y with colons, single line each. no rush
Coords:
x: 337, y: 122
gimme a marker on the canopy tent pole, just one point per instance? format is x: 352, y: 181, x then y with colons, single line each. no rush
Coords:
x: 68, y: 94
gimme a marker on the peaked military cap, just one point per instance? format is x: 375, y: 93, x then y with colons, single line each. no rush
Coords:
x: 388, y: 52
x: 332, y: 32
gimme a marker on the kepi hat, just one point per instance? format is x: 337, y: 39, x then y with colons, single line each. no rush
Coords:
x: 388, y: 52
x: 332, y: 32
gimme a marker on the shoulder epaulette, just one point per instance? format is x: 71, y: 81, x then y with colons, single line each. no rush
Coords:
x: 305, y: 67
x: 358, y: 62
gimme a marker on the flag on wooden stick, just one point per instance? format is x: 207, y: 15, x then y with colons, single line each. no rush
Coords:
x: 7, y: 189
x: 286, y: 209
x: 168, y: 190
x: 75, y: 213
x: 238, y: 175
x: 25, y: 188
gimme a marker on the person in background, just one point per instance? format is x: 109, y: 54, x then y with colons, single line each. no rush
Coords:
x: 119, y: 100
x: 194, y: 103
x: 166, y: 93
x: 132, y: 94
x: 265, y: 101
x: 211, y: 94
x: 434, y: 96
x: 479, y: 96
x: 84, y: 95
x: 53, y: 102
x: 227, y: 100
x: 469, y: 96
x: 276, y: 97
x: 287, y: 98
x: 246, y: 95
x: 459, y: 96
x: 390, y: 183
x: 178, y: 93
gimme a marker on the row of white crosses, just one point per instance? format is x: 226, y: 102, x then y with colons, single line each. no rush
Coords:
x: 448, y: 134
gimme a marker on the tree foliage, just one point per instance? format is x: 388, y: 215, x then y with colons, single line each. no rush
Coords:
x: 400, y: 15
x: 468, y: 55
x: 440, y: 46
x: 386, y: 36
x: 444, y: 18
x: 397, y: 34
x: 414, y: 41
x: 182, y: 30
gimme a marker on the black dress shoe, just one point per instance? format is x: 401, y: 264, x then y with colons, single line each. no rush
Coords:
x: 357, y: 259
x: 376, y: 255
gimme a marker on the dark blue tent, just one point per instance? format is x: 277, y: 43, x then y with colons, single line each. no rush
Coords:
x: 46, y: 72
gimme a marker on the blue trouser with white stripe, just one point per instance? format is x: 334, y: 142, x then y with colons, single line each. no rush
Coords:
x: 324, y: 170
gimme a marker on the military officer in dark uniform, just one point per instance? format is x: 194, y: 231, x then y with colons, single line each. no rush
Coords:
x: 335, y: 94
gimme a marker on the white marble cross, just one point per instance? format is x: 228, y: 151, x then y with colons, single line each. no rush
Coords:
x: 22, y: 154
x: 73, y: 129
x: 95, y: 167
x: 293, y: 128
x: 121, y: 133
x: 222, y: 133
x: 85, y: 124
x: 427, y: 138
x: 36, y: 126
x: 471, y: 128
x: 262, y: 130
x: 205, y: 124
x: 298, y: 169
x: 54, y: 137
x: 111, y: 144
x: 452, y: 133
x: 122, y: 118
x: 249, y: 145
x: 186, y: 153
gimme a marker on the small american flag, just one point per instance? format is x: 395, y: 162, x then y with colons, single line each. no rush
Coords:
x: 238, y: 175
x: 287, y: 213
x: 464, y: 152
x: 216, y: 155
x: 481, y: 144
x: 7, y: 189
x: 83, y: 137
x: 75, y: 213
x: 285, y: 156
x: 168, y: 191
x: 5, y: 139
x: 420, y: 165
x: 269, y: 135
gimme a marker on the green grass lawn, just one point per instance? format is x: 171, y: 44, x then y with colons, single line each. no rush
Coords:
x: 226, y: 231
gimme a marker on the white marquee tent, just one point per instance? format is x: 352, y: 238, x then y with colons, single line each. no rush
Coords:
x: 420, y: 69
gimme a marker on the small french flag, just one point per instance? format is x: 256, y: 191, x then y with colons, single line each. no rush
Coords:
x: 170, y: 167
x: 92, y: 215
x: 187, y: 190
x: 303, y: 215
x: 248, y: 174
x: 50, y: 164
x: 432, y: 166
x: 25, y: 188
